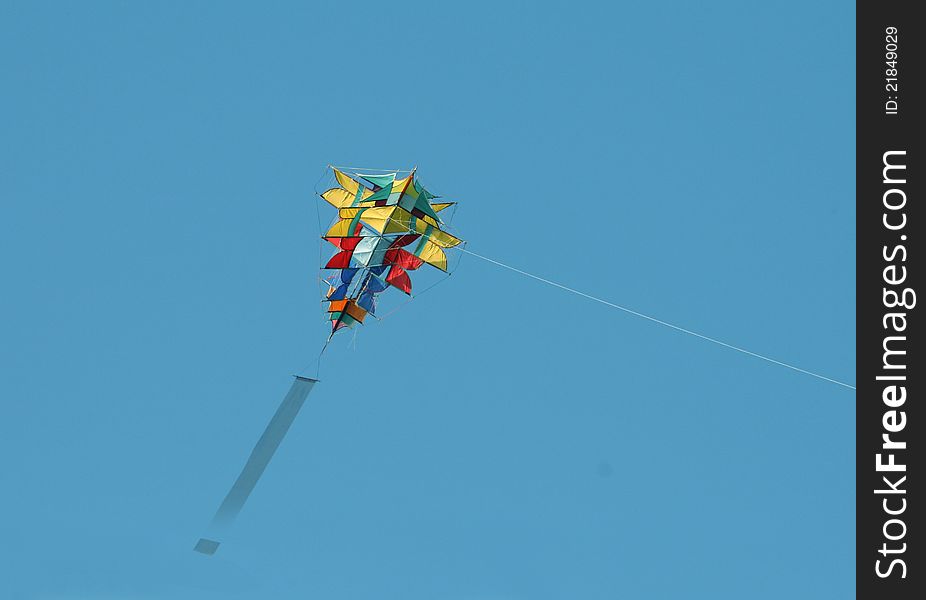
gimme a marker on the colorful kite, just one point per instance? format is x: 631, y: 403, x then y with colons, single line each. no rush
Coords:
x: 386, y: 227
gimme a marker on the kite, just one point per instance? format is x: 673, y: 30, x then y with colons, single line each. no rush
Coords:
x: 386, y: 227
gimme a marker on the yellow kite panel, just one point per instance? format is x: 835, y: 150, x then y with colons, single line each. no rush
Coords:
x: 433, y: 255
x: 340, y: 229
x: 338, y: 197
x: 346, y: 182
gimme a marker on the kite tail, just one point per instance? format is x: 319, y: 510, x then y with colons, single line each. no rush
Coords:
x: 253, y: 469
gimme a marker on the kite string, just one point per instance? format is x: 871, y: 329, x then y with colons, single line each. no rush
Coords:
x: 659, y: 321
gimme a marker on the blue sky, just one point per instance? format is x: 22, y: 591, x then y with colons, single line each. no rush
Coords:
x: 496, y: 439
